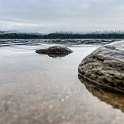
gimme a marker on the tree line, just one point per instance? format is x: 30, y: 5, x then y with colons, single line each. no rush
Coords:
x: 107, y: 35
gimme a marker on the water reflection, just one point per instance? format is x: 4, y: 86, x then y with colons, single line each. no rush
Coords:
x: 57, y: 55
x: 53, y: 55
x: 112, y: 98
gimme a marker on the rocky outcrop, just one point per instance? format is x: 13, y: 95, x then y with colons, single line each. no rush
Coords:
x: 105, y: 66
x: 55, y: 51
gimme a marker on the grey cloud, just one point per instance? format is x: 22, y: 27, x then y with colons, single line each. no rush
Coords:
x: 61, y: 15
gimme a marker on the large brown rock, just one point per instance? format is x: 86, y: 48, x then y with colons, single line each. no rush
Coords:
x: 105, y: 66
x: 55, y: 51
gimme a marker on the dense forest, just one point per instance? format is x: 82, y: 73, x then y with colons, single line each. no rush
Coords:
x: 96, y: 35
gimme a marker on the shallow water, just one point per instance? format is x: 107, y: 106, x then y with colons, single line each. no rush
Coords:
x: 38, y: 89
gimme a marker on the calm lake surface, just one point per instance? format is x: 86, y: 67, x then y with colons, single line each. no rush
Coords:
x: 38, y: 89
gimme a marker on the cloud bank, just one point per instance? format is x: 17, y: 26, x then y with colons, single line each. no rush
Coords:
x: 61, y: 15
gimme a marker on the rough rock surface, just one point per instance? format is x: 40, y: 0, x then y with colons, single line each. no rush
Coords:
x: 55, y: 50
x: 105, y: 66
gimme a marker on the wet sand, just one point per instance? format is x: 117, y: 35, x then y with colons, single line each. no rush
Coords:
x: 38, y: 89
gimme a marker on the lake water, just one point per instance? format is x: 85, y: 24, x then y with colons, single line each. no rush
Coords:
x: 38, y: 89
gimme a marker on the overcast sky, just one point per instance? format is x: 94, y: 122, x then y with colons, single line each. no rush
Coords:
x: 61, y: 15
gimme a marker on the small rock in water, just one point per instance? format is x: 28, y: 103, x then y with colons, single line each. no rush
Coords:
x: 55, y: 51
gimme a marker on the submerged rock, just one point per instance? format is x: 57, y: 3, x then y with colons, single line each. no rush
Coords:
x: 111, y: 98
x: 56, y: 51
x: 105, y: 66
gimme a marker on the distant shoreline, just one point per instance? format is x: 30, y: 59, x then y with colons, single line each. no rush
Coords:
x: 106, y: 35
